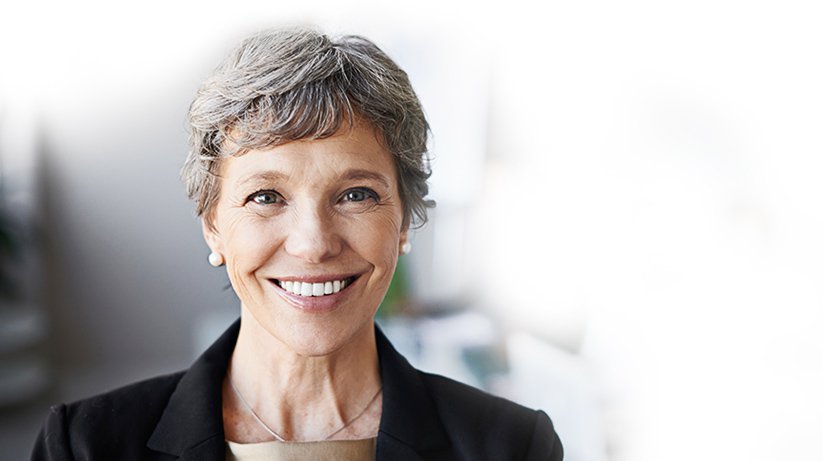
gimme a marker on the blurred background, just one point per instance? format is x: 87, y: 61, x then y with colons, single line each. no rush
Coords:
x: 628, y: 231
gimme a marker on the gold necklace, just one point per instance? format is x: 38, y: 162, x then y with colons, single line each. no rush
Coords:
x: 279, y: 437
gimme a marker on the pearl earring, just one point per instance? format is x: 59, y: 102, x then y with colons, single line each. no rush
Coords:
x: 405, y: 248
x: 216, y: 259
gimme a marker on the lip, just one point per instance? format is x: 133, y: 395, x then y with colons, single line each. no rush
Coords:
x: 315, y: 278
x: 315, y: 304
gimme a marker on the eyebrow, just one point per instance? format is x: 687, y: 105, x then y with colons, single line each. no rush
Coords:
x: 263, y: 176
x: 274, y: 176
x: 366, y: 174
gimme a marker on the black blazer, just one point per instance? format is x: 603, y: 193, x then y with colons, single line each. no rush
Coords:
x: 179, y: 416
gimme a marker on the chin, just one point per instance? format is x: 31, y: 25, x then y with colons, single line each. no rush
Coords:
x: 314, y: 347
x: 318, y: 340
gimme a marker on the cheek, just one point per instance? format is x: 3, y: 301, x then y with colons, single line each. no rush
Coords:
x: 248, y: 243
x: 378, y: 241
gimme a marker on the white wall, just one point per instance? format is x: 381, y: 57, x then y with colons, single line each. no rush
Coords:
x: 654, y: 198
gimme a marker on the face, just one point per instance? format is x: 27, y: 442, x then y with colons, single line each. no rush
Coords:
x: 310, y: 232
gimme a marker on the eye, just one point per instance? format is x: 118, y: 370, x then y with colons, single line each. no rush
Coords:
x: 360, y: 194
x: 265, y: 197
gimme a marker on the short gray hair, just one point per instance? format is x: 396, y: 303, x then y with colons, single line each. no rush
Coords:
x: 291, y: 84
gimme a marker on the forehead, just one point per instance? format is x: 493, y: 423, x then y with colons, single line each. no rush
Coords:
x: 351, y: 152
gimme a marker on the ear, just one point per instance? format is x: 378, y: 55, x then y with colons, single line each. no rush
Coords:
x: 404, y: 228
x: 211, y: 236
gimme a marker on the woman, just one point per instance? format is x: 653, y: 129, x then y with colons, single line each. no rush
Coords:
x: 307, y: 167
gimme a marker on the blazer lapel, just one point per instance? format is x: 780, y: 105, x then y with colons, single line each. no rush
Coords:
x: 410, y: 428
x: 191, y: 426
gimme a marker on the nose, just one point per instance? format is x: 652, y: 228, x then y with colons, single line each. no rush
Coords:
x: 312, y: 236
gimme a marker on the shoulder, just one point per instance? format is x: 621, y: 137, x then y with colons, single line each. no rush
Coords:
x: 445, y: 419
x: 458, y: 400
x: 493, y: 427
x: 143, y: 397
x: 122, y: 418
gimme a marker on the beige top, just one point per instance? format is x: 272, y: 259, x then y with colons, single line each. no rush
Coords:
x: 343, y: 450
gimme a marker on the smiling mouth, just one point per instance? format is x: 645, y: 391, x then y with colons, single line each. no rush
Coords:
x: 314, y: 289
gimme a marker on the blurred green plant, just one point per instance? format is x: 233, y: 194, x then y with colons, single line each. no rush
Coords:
x: 397, y: 296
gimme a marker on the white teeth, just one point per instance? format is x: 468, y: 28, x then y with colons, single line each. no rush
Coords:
x: 317, y: 289
x: 313, y: 289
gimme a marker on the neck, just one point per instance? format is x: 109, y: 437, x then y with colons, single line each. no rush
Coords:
x: 302, y: 397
